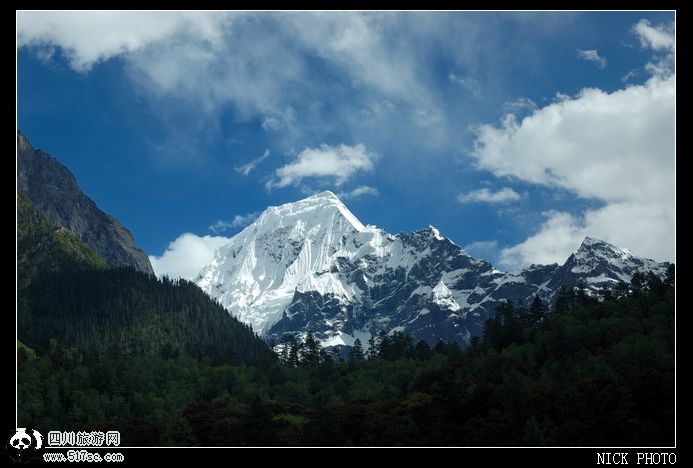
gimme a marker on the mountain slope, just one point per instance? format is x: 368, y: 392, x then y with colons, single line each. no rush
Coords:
x: 45, y: 247
x: 127, y: 311
x: 287, y: 249
x: 68, y: 296
x: 311, y: 265
x: 54, y: 192
x: 598, y: 264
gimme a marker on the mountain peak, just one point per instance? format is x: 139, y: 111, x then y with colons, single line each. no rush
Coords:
x: 433, y: 230
x: 55, y: 193
x: 593, y: 245
x: 324, y: 195
x: 307, y: 265
x: 287, y: 250
x: 312, y: 209
x: 588, y: 241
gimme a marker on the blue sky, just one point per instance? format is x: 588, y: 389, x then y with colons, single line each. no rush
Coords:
x: 515, y: 134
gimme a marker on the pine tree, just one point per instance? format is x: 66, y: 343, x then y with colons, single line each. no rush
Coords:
x: 334, y: 354
x: 621, y: 289
x: 606, y: 294
x: 637, y: 282
x: 422, y: 351
x: 582, y: 296
x: 537, y: 310
x: 402, y: 346
x: 440, y: 347
x: 286, y: 349
x: 655, y: 284
x: 356, y: 353
x: 372, y: 348
x: 384, y: 346
x: 670, y: 278
x: 565, y: 300
x: 294, y: 352
x: 311, y: 351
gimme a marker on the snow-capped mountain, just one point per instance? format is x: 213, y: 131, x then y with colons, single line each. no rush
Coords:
x: 288, y: 249
x: 312, y: 265
x: 597, y: 264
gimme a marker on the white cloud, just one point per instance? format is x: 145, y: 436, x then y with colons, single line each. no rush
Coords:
x: 552, y: 243
x: 467, y: 82
x: 640, y: 227
x: 358, y: 192
x: 257, y: 66
x: 616, y: 148
x: 484, y: 195
x: 658, y: 38
x: 88, y: 38
x: 247, y: 168
x: 592, y: 56
x: 630, y: 75
x: 255, y: 60
x: 187, y: 255
x: 271, y: 124
x: 427, y: 118
x: 521, y: 105
x: 339, y: 162
x: 237, y: 221
x: 279, y: 120
x: 609, y: 146
x: 364, y: 46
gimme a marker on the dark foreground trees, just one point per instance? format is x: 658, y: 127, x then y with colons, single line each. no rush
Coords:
x: 596, y: 373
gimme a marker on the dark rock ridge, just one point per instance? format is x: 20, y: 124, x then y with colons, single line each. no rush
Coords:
x: 311, y: 265
x: 54, y: 192
x: 447, y: 295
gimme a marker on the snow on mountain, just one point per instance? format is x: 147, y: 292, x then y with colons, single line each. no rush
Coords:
x: 598, y: 264
x: 442, y: 296
x: 288, y: 248
x: 312, y: 265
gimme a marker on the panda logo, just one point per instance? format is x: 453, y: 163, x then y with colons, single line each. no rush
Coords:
x: 21, y: 441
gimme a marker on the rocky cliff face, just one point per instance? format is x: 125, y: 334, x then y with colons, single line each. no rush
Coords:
x: 54, y: 192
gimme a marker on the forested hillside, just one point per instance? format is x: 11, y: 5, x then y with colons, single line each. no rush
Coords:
x: 67, y: 294
x: 591, y: 372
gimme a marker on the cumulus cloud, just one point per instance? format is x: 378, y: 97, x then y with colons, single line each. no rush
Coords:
x: 593, y: 56
x: 186, y: 256
x: 659, y: 37
x: 467, y: 82
x: 358, y: 192
x: 616, y: 148
x: 338, y: 162
x: 88, y: 38
x: 237, y: 221
x: 213, y: 58
x: 247, y: 168
x: 297, y: 76
x: 484, y: 195
x: 556, y: 239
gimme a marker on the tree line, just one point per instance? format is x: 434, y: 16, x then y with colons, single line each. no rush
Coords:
x: 592, y: 371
